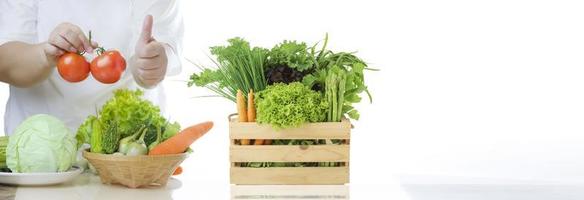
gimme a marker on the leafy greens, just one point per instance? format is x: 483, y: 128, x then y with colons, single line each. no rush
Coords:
x: 121, y: 116
x: 238, y: 67
x: 289, y: 105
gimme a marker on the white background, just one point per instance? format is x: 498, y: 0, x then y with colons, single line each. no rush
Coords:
x: 490, y: 89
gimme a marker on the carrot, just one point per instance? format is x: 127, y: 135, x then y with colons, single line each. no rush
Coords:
x: 258, y: 142
x: 241, y: 108
x: 251, y: 114
x: 180, y: 142
x: 245, y: 142
x: 178, y: 171
x: 242, y: 112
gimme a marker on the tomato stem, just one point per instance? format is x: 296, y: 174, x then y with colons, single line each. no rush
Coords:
x: 99, y: 50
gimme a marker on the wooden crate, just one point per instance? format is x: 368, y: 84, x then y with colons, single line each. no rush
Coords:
x: 289, y: 153
x: 310, y: 192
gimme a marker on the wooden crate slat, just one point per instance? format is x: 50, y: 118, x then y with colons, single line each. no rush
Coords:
x: 312, y: 192
x: 290, y: 175
x: 325, y: 130
x: 289, y: 153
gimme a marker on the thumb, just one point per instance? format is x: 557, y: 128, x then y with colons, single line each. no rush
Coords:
x: 146, y: 36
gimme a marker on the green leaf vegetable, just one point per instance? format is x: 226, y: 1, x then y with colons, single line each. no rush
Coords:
x: 238, y: 67
x: 158, y: 138
x: 289, y: 105
x: 289, y: 62
x: 84, y: 131
x: 130, y: 111
x: 151, y: 134
x: 329, y: 63
x: 304, y: 84
x: 121, y: 117
x: 41, y: 143
x: 292, y: 54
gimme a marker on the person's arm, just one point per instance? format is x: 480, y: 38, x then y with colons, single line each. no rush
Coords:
x: 24, y: 65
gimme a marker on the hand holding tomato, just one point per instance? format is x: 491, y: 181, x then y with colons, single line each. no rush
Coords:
x: 63, y: 46
x: 150, y: 61
x: 65, y: 38
x: 106, y: 68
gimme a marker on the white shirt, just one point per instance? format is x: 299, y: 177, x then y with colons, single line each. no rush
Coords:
x: 115, y: 24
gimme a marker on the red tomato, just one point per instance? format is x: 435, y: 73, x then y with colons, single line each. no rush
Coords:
x: 73, y: 67
x: 108, y: 67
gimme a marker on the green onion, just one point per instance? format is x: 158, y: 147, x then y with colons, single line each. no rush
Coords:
x: 237, y: 67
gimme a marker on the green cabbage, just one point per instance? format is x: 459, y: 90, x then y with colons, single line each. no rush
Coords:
x: 42, y: 143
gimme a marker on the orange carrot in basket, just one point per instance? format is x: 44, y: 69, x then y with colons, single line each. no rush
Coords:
x: 242, y: 112
x: 178, y: 171
x: 180, y: 142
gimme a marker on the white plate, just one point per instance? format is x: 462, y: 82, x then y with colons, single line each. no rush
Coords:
x: 35, y: 179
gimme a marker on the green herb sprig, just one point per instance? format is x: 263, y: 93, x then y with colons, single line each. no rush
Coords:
x: 237, y: 67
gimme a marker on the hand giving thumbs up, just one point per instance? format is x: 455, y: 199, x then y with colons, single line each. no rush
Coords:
x: 149, y: 60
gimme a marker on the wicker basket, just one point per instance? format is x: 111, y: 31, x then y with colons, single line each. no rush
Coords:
x: 134, y: 171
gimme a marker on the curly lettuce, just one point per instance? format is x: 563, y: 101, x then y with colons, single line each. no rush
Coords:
x: 289, y: 105
x: 130, y: 111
